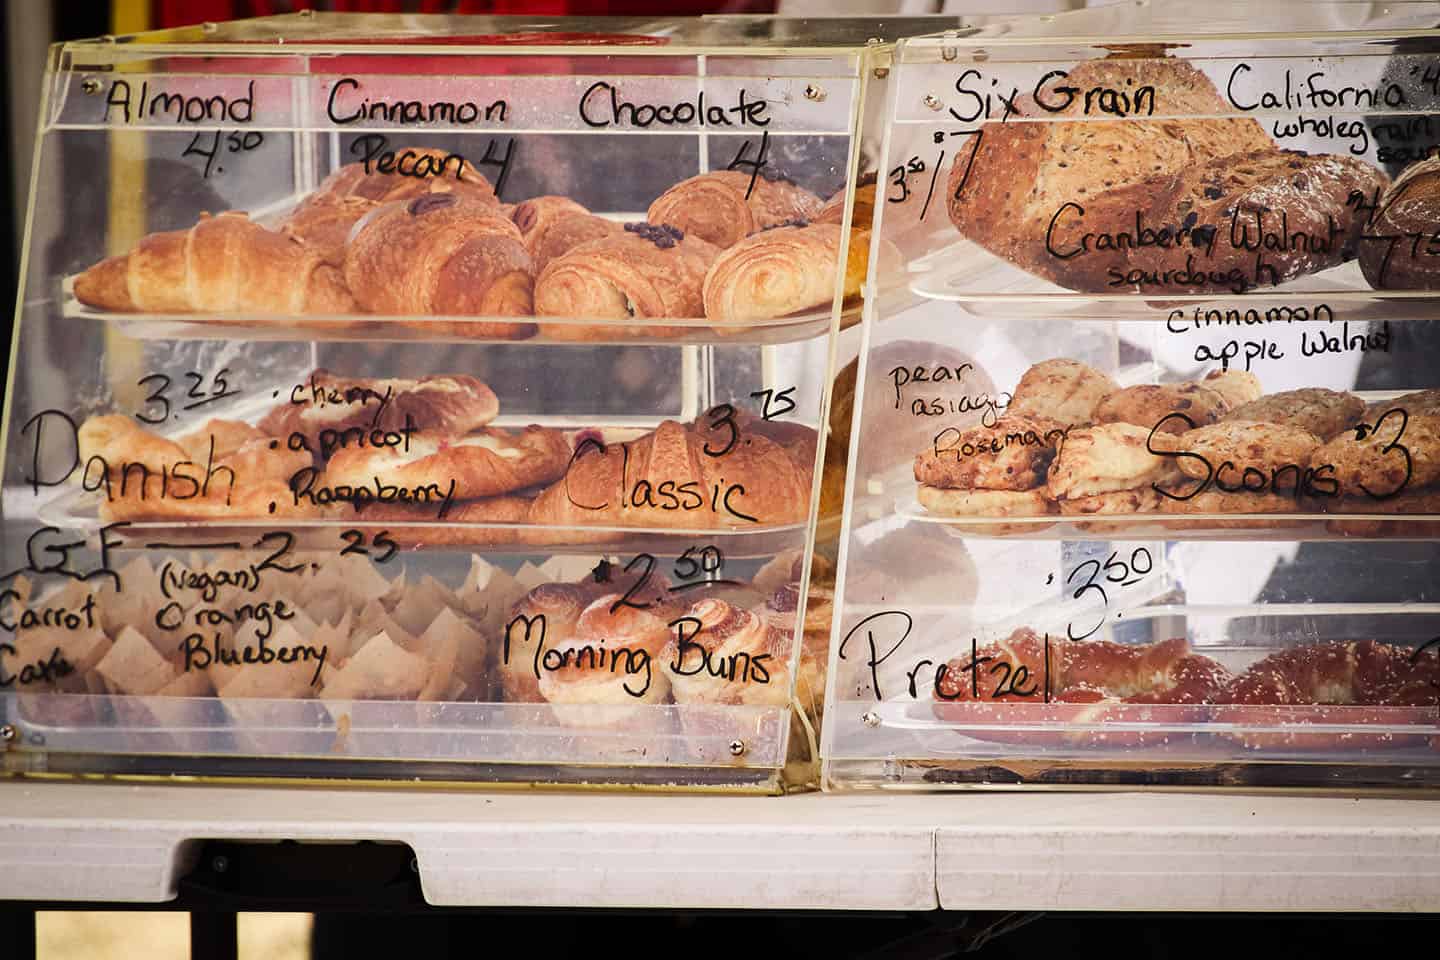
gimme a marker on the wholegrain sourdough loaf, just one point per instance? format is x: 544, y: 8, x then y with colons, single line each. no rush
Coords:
x: 1038, y: 185
x: 1400, y: 250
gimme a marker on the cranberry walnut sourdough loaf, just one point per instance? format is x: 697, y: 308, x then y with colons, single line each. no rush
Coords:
x: 1154, y: 206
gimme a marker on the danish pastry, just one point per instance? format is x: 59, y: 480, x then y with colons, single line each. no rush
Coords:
x: 331, y: 412
x: 484, y: 463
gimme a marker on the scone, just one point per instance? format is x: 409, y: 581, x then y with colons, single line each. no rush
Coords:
x: 985, y: 503
x: 1421, y: 401
x: 1062, y: 390
x: 1324, y: 413
x: 1233, y: 447
x: 989, y: 471
x: 1236, y: 386
x: 1183, y: 500
x: 1106, y: 458
x: 1012, y: 455
x: 1407, y: 504
x: 1172, y: 407
x: 1380, y: 460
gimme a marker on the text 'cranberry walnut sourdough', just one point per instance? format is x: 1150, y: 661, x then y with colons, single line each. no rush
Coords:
x: 1156, y: 206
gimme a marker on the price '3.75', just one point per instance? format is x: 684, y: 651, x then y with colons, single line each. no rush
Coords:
x: 214, y: 144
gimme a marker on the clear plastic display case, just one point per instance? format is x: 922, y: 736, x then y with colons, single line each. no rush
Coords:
x: 1143, y: 484
x: 400, y: 396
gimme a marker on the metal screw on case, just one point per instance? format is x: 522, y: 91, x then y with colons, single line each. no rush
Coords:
x: 932, y: 101
x: 219, y: 864
x: 737, y: 748
x: 813, y: 92
x: 870, y: 718
x: 8, y: 733
x: 90, y: 85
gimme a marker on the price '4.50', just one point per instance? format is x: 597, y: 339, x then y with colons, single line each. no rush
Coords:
x: 215, y: 144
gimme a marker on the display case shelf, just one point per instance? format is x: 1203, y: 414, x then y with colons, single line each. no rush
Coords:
x: 996, y: 851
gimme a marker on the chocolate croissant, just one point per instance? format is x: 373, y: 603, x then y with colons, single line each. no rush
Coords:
x: 223, y: 264
x: 537, y: 213
x: 644, y: 272
x: 442, y: 254
x: 553, y: 226
x: 717, y: 472
x: 774, y: 273
x: 715, y: 208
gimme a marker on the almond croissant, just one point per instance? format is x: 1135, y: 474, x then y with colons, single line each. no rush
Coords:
x: 223, y: 264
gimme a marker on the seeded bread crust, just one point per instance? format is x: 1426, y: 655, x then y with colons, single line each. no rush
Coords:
x: 1189, y: 177
x: 1220, y: 213
x: 1389, y: 256
x: 1023, y: 172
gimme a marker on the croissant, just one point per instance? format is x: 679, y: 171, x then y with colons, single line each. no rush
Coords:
x: 714, y: 206
x: 223, y: 264
x: 442, y: 254
x: 774, y: 273
x: 537, y: 213
x: 323, y: 222
x: 644, y: 272
x: 460, y: 178
x: 564, y: 234
x: 687, y: 476
x: 864, y: 216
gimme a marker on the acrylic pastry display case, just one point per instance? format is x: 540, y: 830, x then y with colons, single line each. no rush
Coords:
x: 1142, y: 478
x: 429, y: 397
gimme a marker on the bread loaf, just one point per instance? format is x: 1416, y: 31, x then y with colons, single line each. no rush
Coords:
x: 1230, y: 224
x: 1004, y: 192
x: 1400, y: 249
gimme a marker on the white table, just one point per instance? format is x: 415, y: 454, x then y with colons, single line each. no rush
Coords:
x: 975, y: 851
